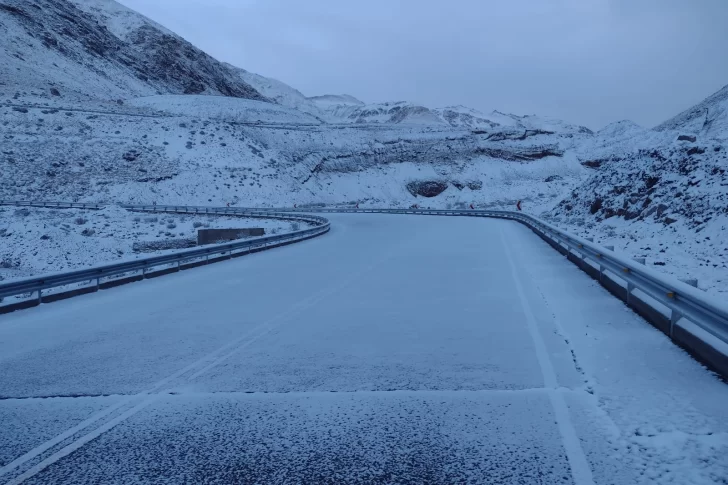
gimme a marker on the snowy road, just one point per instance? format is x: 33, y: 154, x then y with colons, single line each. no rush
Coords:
x: 395, y: 349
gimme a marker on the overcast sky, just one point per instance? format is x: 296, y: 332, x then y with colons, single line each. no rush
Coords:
x: 586, y: 61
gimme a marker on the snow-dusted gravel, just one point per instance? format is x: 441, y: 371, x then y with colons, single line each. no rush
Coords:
x: 35, y: 241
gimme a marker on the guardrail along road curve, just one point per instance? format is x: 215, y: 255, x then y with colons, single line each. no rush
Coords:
x: 394, y: 349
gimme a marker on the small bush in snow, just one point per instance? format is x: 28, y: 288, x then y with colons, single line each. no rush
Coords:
x: 80, y: 221
x: 137, y: 219
x: 24, y: 212
x: 88, y: 232
x: 171, y: 225
x: 196, y: 224
x: 151, y: 219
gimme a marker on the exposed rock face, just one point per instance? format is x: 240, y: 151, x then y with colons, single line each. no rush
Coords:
x: 668, y: 184
x: 165, y: 63
x: 179, y: 65
x: 429, y: 188
x: 521, y: 154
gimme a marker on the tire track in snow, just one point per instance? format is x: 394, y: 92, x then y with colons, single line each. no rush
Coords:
x: 580, y: 468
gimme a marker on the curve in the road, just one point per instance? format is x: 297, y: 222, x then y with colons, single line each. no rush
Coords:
x: 395, y: 350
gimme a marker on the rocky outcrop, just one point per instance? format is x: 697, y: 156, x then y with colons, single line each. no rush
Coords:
x: 689, y: 138
x: 667, y: 184
x: 428, y: 188
x: 165, y: 63
x: 520, y: 154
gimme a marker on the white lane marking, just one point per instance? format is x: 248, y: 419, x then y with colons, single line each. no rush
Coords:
x: 266, y: 327
x: 70, y: 448
x: 101, y: 414
x: 580, y: 468
x: 65, y: 435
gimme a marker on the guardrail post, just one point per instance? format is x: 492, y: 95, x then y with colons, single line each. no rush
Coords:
x: 98, y: 282
x: 40, y: 296
x: 568, y: 249
x: 675, y: 316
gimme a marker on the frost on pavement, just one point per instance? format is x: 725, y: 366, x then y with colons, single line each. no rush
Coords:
x: 360, y: 370
x: 395, y: 349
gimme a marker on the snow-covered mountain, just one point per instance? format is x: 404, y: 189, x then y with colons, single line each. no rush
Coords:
x: 660, y: 193
x: 677, y: 169
x: 98, y: 49
x: 347, y: 109
x: 327, y: 100
x: 708, y: 119
x: 279, y: 92
x: 193, y: 130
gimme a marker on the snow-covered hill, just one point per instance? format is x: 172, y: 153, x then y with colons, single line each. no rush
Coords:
x: 328, y: 100
x: 660, y: 193
x: 223, y: 108
x: 183, y: 135
x: 97, y: 49
x: 279, y: 92
x: 346, y: 109
x: 708, y: 119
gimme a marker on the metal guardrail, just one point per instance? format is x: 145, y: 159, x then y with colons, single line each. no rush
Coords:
x: 53, y: 205
x: 38, y: 285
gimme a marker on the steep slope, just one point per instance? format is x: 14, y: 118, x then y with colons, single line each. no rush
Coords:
x: 708, y: 119
x: 97, y: 49
x: 327, y: 100
x: 278, y: 91
x: 661, y: 193
x: 463, y: 117
x: 237, y: 110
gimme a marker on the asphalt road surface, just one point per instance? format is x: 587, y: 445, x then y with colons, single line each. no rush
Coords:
x: 395, y: 349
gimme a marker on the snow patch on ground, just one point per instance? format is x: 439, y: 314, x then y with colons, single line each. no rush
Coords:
x: 223, y: 108
x: 36, y: 241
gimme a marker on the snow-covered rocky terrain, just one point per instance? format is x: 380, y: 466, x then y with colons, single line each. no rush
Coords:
x: 100, y: 104
x: 98, y: 49
x: 37, y: 241
x: 661, y: 193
